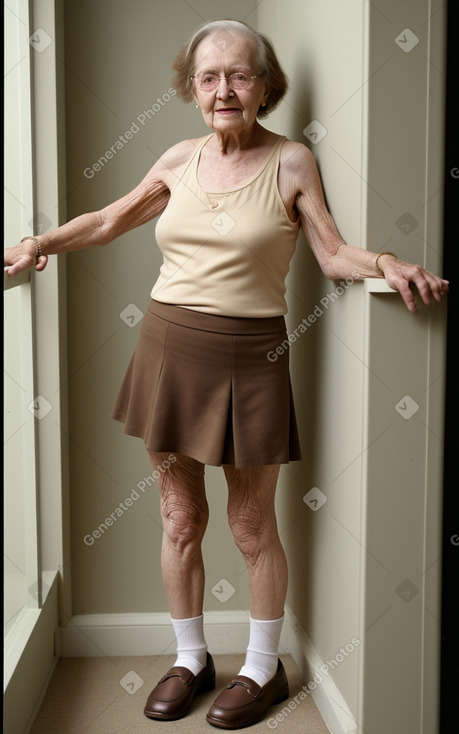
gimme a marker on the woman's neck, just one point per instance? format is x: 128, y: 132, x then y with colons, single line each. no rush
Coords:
x: 236, y: 140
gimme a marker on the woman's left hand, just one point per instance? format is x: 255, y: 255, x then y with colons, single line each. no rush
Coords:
x: 401, y: 276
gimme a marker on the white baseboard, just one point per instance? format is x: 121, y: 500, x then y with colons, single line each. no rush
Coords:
x: 96, y: 635
x: 327, y: 697
x: 111, y: 635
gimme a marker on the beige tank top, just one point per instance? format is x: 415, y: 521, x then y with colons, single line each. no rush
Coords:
x: 228, y: 253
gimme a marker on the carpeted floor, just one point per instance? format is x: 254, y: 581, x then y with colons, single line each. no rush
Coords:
x: 107, y: 696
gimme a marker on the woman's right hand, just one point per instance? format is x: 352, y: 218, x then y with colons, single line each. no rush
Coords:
x: 23, y: 257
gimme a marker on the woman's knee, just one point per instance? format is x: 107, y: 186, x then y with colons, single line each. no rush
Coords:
x: 184, y: 508
x: 251, y: 514
x: 184, y: 523
x: 253, y: 532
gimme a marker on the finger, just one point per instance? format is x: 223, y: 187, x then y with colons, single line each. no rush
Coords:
x: 437, y: 293
x: 407, y: 295
x: 425, y: 291
x: 442, y: 287
x: 401, y: 283
x: 437, y: 285
x: 425, y: 282
x: 13, y: 270
x: 41, y: 263
x: 22, y: 264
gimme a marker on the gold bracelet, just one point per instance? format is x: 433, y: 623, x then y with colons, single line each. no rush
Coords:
x: 380, y: 255
x: 37, y: 242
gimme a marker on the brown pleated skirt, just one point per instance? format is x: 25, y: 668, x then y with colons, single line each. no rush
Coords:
x: 204, y: 386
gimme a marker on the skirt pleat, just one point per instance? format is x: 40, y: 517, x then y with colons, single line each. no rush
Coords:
x: 202, y: 385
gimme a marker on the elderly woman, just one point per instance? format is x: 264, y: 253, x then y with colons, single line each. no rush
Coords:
x: 199, y: 384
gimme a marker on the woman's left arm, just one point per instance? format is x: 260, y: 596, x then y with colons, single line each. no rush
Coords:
x: 340, y: 260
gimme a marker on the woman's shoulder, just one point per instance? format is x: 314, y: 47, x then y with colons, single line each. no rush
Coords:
x: 179, y: 154
x: 296, y: 156
x: 297, y: 166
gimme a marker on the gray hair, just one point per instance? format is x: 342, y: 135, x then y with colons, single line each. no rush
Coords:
x: 267, y: 60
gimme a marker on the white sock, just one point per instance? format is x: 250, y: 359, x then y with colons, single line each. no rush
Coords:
x: 261, y: 658
x: 191, y: 645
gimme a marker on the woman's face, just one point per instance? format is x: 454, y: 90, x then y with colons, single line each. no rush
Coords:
x: 225, y: 109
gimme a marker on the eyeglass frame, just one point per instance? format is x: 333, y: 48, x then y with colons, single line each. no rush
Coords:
x: 220, y: 78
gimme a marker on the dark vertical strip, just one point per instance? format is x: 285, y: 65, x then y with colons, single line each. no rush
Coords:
x: 450, y: 579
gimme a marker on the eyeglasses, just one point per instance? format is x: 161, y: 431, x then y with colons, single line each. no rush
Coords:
x: 208, y: 81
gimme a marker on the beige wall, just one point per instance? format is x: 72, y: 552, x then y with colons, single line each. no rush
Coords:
x: 380, y: 158
x: 326, y: 73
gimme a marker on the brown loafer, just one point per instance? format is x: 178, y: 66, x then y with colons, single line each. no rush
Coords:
x: 244, y: 702
x: 172, y: 697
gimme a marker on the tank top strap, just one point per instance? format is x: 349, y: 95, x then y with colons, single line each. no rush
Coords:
x: 192, y: 162
x: 271, y: 164
x: 268, y: 168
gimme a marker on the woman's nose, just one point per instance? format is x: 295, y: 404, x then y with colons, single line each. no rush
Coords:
x: 224, y: 90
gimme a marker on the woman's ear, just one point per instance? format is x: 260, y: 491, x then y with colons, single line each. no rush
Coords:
x: 266, y: 95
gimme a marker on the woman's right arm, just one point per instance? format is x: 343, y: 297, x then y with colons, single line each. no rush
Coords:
x: 139, y: 206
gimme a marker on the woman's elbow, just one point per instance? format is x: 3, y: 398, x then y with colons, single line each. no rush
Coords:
x: 110, y: 227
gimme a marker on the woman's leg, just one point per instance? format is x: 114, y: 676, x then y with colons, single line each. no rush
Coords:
x: 184, y: 513
x: 261, y: 681
x: 252, y: 518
